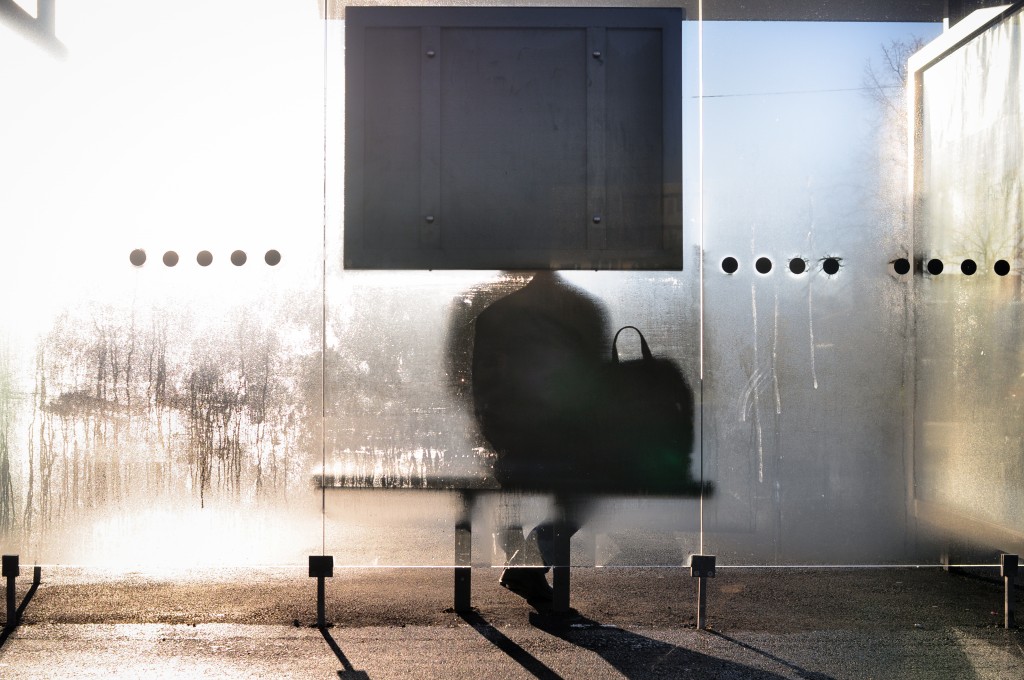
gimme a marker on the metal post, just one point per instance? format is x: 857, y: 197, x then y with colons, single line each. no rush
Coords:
x: 321, y: 567
x: 321, y: 604
x: 464, y: 552
x: 1008, y: 565
x: 702, y: 603
x: 702, y: 567
x: 45, y: 16
x: 10, y: 570
x: 560, y: 571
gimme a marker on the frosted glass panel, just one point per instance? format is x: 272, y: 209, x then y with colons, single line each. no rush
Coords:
x: 160, y: 397
x: 967, y: 454
x: 805, y: 321
x: 399, y: 370
x: 402, y: 433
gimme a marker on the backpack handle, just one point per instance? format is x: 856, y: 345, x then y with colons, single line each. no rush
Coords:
x: 644, y: 349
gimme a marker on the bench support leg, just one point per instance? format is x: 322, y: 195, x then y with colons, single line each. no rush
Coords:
x: 463, y: 565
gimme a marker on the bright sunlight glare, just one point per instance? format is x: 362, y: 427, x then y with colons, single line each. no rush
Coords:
x: 185, y: 128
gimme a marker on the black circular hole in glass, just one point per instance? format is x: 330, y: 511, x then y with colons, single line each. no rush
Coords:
x: 730, y: 265
x: 204, y: 258
x: 901, y: 266
x: 272, y: 258
x: 137, y: 257
x: 170, y: 258
x: 830, y: 266
x: 968, y: 267
x: 1002, y: 267
x: 763, y: 265
x: 935, y: 267
x: 238, y: 258
x: 798, y: 265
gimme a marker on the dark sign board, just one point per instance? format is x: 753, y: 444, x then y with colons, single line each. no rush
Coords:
x: 513, y: 138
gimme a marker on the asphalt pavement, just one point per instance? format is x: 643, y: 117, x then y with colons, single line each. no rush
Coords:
x: 399, y: 623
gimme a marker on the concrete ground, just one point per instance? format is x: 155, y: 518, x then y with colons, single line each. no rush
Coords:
x: 398, y: 623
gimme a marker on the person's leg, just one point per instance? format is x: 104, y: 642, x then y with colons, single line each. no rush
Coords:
x: 569, y: 511
x: 523, y: 573
x: 552, y: 537
x: 508, y: 525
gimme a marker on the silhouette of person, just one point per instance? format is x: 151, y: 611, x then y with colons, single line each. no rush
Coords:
x: 537, y: 369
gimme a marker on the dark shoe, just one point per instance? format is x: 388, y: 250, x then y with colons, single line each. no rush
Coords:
x: 528, y: 583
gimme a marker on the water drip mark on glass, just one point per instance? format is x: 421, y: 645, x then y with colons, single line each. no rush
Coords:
x: 273, y: 258
x: 170, y: 258
x: 831, y: 265
x: 798, y: 265
x: 810, y: 333
x: 204, y: 258
x: 1002, y: 267
x: 755, y: 378
x: 763, y: 265
x: 775, y: 359
x: 137, y: 257
x: 968, y: 267
x: 935, y: 266
x: 730, y: 265
x: 901, y: 266
x: 238, y: 258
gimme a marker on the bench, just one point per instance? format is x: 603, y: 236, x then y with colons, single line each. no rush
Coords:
x: 470, y: 491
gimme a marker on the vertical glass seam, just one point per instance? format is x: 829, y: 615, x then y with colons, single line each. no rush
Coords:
x: 700, y: 249
x: 323, y: 312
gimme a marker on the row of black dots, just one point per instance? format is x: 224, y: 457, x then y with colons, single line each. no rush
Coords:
x: 935, y: 267
x: 204, y: 258
x: 831, y: 266
x: 797, y: 265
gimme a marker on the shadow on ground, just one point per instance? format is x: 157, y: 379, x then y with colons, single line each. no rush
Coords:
x: 631, y: 654
x: 347, y: 672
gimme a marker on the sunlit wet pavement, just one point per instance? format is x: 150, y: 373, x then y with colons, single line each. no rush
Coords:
x: 398, y: 623
x: 166, y: 651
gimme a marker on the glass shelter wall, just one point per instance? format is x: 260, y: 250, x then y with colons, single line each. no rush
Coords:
x: 400, y: 410
x: 161, y: 397
x: 189, y: 373
x: 967, y: 447
x: 803, y: 407
x: 805, y: 320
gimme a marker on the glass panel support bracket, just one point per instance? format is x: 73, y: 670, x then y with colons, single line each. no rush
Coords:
x: 321, y: 567
x: 1008, y: 566
x: 10, y: 569
x: 702, y: 567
